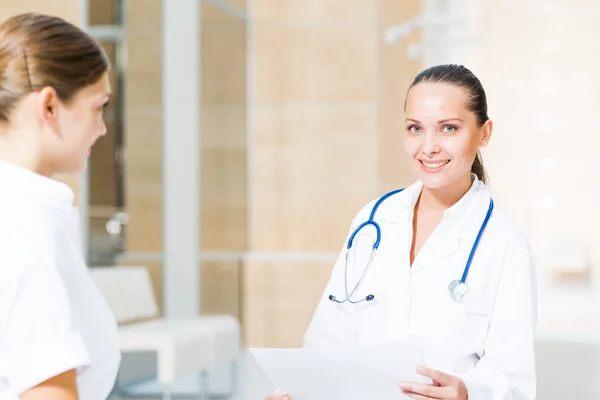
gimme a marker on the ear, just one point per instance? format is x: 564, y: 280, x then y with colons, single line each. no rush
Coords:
x: 46, y: 106
x: 486, y: 133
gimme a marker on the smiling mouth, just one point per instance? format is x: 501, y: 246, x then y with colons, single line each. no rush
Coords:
x: 433, y: 166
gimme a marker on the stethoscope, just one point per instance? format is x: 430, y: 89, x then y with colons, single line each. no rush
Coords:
x: 457, y: 288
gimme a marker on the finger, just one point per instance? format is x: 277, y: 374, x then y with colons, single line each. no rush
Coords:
x: 417, y: 396
x: 429, y: 391
x: 436, y: 376
x: 277, y: 396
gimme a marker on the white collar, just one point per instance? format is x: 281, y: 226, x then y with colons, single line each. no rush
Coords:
x: 22, y: 184
x: 466, y: 215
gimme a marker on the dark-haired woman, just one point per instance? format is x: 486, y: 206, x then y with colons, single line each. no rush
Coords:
x: 58, y: 337
x: 450, y: 269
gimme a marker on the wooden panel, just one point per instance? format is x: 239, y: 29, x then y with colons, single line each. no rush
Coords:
x: 313, y: 11
x: 221, y: 288
x: 224, y: 200
x: 103, y: 12
x: 313, y: 64
x: 143, y: 126
x: 103, y: 168
x: 224, y: 62
x: 279, y: 301
x: 224, y: 135
x: 314, y: 168
x: 211, y: 12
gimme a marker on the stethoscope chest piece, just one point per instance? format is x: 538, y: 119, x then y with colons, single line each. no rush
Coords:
x: 457, y: 290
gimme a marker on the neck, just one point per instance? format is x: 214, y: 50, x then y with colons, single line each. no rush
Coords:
x: 16, y: 149
x: 445, y: 197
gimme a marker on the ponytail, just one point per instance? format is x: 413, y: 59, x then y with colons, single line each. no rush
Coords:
x: 478, y: 169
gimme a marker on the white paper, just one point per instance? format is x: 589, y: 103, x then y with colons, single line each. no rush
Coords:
x: 344, y: 373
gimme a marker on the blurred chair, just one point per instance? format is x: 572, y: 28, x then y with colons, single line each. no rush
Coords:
x: 182, y: 345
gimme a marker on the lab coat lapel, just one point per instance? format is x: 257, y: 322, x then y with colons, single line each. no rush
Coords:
x: 439, y: 246
x: 460, y: 224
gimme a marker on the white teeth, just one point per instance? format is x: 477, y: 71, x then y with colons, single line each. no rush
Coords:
x: 435, y: 165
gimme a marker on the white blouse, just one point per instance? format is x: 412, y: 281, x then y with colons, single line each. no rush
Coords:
x: 52, y: 316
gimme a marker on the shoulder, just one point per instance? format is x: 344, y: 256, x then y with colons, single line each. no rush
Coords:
x: 28, y: 238
x: 506, y: 228
x: 509, y: 237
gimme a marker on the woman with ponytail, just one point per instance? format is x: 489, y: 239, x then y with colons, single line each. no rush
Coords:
x: 450, y: 270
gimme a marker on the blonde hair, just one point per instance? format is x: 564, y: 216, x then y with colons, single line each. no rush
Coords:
x: 38, y: 51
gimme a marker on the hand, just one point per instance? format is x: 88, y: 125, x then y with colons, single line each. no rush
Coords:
x: 278, y: 396
x: 444, y: 387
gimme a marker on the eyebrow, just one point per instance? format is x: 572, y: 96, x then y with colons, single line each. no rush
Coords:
x: 439, y: 122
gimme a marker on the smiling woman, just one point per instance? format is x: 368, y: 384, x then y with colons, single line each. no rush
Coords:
x: 450, y: 268
x: 58, y: 337
x: 448, y: 102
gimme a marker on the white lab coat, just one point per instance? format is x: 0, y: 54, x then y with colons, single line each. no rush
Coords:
x: 488, y: 340
x: 52, y: 316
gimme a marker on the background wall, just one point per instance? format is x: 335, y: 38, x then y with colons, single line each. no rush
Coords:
x: 302, y: 104
x: 326, y: 111
x: 540, y: 96
x: 223, y: 147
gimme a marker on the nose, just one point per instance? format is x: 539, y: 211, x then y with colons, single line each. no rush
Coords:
x: 103, y: 130
x: 430, y: 144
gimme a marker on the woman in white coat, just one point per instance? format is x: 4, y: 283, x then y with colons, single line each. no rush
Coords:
x: 486, y: 325
x: 58, y: 337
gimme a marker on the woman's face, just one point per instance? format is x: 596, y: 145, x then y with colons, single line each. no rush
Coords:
x: 80, y: 123
x: 442, y: 136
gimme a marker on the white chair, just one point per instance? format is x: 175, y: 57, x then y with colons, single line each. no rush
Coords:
x: 183, y: 345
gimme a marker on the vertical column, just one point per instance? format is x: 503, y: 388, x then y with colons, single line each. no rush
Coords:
x: 181, y: 127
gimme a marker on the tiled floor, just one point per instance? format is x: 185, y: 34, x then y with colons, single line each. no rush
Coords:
x: 251, y: 383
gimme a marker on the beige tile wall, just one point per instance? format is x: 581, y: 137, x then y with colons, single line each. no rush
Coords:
x: 143, y: 130
x: 103, y: 12
x: 314, y: 121
x: 223, y: 155
x: 279, y: 300
x: 326, y: 138
x: 102, y: 164
x: 224, y: 128
x: 223, y: 145
x: 323, y: 123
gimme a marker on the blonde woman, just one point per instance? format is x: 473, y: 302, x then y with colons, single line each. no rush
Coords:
x: 58, y: 337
